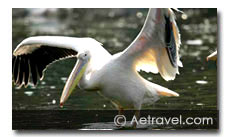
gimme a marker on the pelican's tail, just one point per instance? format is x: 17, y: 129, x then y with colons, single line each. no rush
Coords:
x: 166, y: 92
x: 162, y: 91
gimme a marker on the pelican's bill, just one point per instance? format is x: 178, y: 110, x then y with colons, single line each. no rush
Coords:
x: 73, y: 80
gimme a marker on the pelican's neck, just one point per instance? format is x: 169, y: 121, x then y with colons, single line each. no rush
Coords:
x: 89, y: 79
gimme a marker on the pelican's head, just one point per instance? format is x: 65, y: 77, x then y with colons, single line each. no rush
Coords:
x: 75, y: 76
x: 85, y: 56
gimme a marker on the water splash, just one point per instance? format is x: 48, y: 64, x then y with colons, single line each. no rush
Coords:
x: 199, y: 104
x: 53, y: 101
x: 29, y: 93
x: 201, y: 82
x: 194, y: 42
x: 52, y: 87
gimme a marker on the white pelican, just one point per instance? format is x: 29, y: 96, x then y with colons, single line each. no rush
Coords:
x: 212, y: 56
x: 155, y: 49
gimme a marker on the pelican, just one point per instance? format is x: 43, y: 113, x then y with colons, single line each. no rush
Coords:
x: 212, y: 56
x: 155, y: 49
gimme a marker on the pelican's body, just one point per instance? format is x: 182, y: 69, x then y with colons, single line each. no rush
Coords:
x: 115, y: 76
x: 121, y: 84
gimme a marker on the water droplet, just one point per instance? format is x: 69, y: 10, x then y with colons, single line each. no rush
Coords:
x: 48, y: 95
x: 194, y: 53
x: 64, y: 79
x: 202, y: 82
x: 195, y: 42
x: 28, y: 93
x: 139, y: 14
x: 204, y: 48
x: 33, y: 87
x: 43, y: 83
x: 198, y: 58
x: 17, y: 87
x: 202, y: 68
x: 184, y: 16
x: 104, y: 105
x: 121, y: 23
x: 52, y: 87
x: 111, y: 14
x: 53, y: 101
x: 199, y: 104
x: 193, y: 70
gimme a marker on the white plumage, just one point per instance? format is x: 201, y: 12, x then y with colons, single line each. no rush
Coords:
x: 156, y: 50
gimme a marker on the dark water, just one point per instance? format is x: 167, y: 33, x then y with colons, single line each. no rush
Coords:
x: 104, y: 119
x: 116, y: 28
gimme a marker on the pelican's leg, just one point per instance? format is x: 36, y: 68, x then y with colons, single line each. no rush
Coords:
x: 119, y: 108
x: 121, y: 112
x: 137, y: 115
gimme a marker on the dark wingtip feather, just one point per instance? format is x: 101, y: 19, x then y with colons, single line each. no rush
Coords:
x: 33, y: 72
x: 170, y: 42
x: 21, y: 74
x: 27, y: 71
x: 14, y: 68
x: 17, y: 70
x: 32, y: 66
x: 13, y: 62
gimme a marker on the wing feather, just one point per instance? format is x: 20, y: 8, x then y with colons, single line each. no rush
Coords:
x: 156, y: 48
x: 33, y: 55
x: 36, y: 62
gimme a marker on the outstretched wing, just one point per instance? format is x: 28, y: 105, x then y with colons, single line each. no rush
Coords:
x: 156, y: 48
x: 34, y: 54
